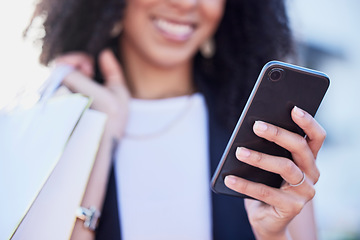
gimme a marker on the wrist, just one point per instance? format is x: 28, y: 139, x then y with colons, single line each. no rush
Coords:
x: 115, y: 124
x: 270, y: 235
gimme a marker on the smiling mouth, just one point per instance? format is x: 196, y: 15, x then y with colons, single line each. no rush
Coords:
x: 174, y: 30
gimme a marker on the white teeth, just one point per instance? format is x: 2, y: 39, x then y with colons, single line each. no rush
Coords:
x: 173, y: 28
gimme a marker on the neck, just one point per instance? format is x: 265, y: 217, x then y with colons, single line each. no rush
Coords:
x: 149, y: 81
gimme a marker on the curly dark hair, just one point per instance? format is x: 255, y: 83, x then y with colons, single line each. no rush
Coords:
x: 250, y: 34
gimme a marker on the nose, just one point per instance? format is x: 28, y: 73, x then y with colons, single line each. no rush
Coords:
x: 184, y: 4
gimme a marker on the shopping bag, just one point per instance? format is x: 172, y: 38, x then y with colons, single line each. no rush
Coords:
x: 31, y: 144
x: 52, y: 215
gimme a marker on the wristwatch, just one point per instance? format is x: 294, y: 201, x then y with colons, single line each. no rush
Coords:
x: 90, y: 216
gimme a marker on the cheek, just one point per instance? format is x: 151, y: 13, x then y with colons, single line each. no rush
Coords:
x: 135, y: 21
x: 212, y: 11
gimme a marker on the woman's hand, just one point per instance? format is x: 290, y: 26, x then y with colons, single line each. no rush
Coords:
x: 81, y: 61
x: 271, y: 215
x: 111, y: 98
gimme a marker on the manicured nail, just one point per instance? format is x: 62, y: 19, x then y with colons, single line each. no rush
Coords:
x: 299, y: 112
x: 242, y: 152
x: 230, y: 180
x: 260, y: 126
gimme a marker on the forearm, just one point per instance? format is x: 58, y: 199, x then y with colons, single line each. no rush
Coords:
x: 111, y: 98
x: 96, y: 188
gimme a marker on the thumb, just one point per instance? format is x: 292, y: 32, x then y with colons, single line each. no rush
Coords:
x: 111, y: 69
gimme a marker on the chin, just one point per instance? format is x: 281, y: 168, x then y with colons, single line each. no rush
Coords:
x: 173, y: 59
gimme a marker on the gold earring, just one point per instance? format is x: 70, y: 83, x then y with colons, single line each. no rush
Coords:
x: 117, y: 29
x: 207, y: 49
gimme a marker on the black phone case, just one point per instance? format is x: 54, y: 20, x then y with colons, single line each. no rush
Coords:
x: 272, y: 102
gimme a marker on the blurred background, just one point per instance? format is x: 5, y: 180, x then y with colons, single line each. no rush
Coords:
x: 328, y: 34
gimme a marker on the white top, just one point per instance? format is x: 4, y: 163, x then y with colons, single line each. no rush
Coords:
x: 162, y: 170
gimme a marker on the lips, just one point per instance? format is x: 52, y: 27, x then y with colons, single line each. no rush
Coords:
x: 178, y: 31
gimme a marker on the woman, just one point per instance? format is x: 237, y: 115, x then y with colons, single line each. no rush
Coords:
x: 171, y: 110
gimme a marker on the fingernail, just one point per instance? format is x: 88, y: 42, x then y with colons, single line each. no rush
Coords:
x: 230, y: 180
x: 242, y: 152
x: 260, y: 126
x: 299, y: 112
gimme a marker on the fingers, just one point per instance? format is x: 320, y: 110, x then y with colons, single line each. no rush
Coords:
x: 296, y: 144
x: 314, y: 132
x: 79, y: 83
x: 256, y: 190
x: 79, y: 60
x: 281, y: 204
x: 278, y: 198
x: 111, y: 98
x: 284, y: 167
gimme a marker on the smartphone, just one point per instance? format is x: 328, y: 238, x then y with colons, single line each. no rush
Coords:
x: 279, y: 87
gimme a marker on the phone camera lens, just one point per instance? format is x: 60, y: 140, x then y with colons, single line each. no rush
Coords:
x: 276, y: 74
